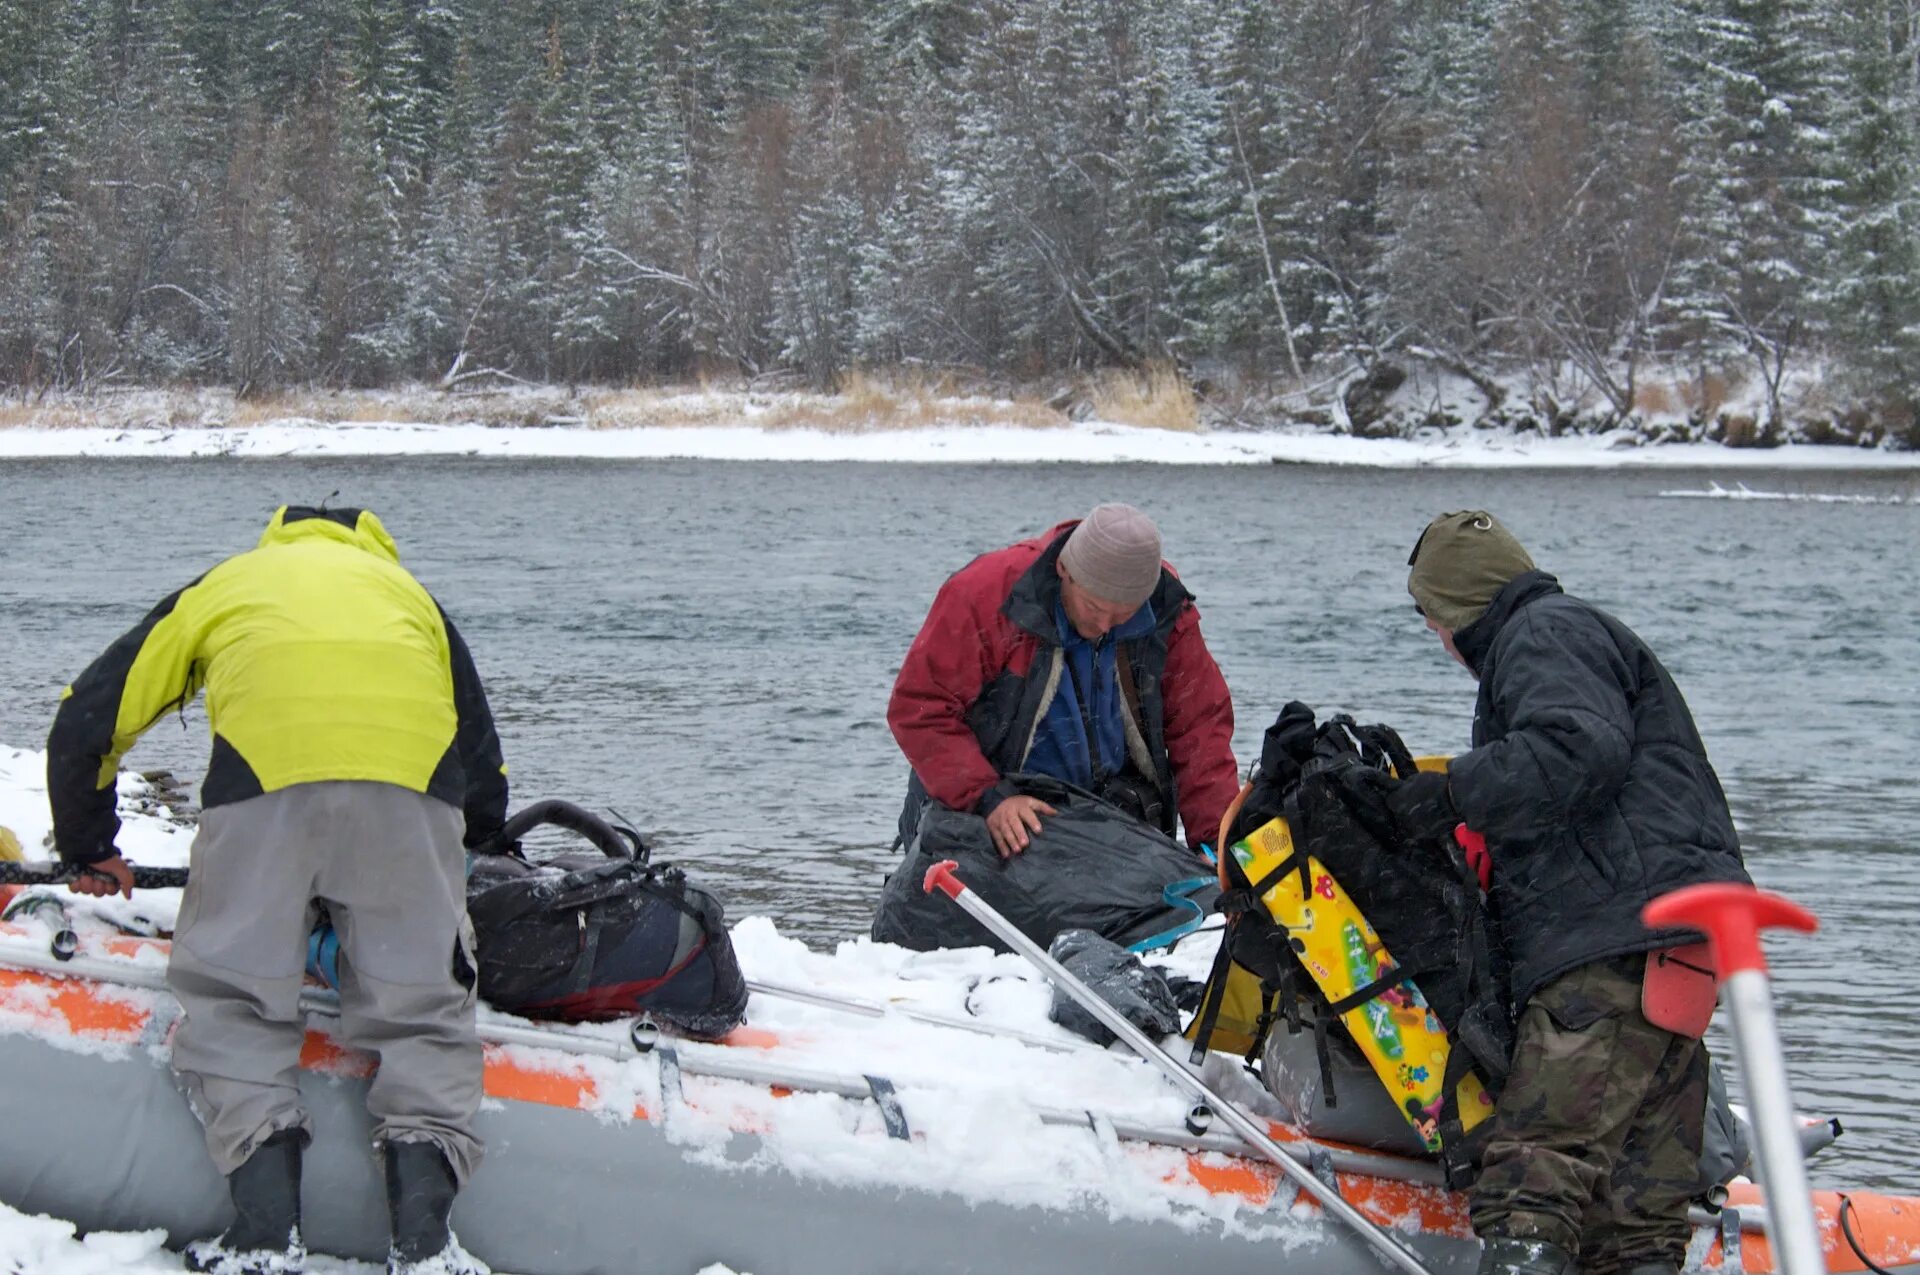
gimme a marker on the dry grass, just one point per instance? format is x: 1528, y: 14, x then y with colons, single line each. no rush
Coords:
x: 1155, y: 397
x: 261, y: 409
x: 60, y: 416
x: 1706, y: 394
x: 868, y: 403
x: 657, y: 408
x: 865, y: 403
x: 1740, y: 431
x: 1654, y: 399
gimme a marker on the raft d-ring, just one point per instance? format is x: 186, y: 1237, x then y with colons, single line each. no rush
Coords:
x: 645, y: 1034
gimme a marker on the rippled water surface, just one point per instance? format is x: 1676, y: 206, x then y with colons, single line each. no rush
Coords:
x: 707, y: 648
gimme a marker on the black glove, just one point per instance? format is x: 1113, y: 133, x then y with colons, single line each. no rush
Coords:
x: 496, y: 844
x: 1422, y: 808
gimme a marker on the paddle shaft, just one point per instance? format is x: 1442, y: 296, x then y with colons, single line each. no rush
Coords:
x: 875, y: 1009
x: 1396, y: 1253
x: 1748, y: 996
x: 1732, y: 916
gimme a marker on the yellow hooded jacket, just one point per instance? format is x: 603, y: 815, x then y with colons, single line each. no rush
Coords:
x: 322, y: 659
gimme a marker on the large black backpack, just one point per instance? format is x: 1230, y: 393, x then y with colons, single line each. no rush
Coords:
x: 1329, y: 782
x: 584, y: 936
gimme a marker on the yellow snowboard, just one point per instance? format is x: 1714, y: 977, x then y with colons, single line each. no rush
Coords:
x: 1400, y: 1036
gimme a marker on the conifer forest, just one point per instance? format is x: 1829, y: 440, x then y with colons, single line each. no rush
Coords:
x: 358, y: 193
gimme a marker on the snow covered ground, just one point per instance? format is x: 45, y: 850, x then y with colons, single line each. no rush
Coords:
x: 47, y: 1246
x: 1086, y: 442
x: 986, y: 1084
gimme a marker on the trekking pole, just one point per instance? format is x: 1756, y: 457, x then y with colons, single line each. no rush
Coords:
x: 50, y: 873
x: 1732, y: 916
x: 941, y: 876
x: 875, y: 1009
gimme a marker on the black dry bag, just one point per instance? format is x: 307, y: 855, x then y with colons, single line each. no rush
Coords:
x: 584, y: 936
x: 1092, y: 866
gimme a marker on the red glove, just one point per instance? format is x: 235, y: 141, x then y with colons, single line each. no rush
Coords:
x: 1478, y: 859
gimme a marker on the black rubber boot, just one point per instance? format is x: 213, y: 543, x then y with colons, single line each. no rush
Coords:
x: 265, y: 1236
x: 1507, y: 1255
x: 420, y: 1191
x: 1652, y: 1268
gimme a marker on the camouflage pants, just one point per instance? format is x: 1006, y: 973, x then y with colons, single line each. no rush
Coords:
x: 1596, y: 1141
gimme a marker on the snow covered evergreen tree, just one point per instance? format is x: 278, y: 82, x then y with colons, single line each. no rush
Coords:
x: 1875, y: 286
x: 1434, y: 294
x: 1290, y: 192
x: 1759, y: 196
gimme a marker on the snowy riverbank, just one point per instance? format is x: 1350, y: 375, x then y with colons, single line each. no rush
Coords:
x: 1089, y: 441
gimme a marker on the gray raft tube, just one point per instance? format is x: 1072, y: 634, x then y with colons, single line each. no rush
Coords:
x: 1364, y: 1115
x: 568, y: 1193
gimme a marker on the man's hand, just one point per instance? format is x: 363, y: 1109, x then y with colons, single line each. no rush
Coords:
x: 107, y: 877
x: 1422, y: 808
x: 1013, y: 823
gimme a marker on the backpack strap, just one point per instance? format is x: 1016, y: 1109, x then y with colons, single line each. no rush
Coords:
x: 1372, y: 991
x: 1270, y: 993
x: 1216, y: 993
x: 1295, y: 862
x: 1459, y: 1149
x: 1324, y: 1053
x: 1384, y: 742
x: 1130, y: 719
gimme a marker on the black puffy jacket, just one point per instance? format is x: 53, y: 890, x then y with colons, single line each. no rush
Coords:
x: 1587, y: 777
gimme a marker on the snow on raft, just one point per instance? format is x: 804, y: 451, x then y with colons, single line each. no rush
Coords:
x: 816, y: 1139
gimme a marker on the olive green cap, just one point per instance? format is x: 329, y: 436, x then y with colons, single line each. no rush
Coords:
x: 1459, y: 563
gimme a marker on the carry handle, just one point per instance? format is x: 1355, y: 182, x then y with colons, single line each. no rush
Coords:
x: 615, y: 843
x: 1731, y: 916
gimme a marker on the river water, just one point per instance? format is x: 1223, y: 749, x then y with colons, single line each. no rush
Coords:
x: 707, y: 648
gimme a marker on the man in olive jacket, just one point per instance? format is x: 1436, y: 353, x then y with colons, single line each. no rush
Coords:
x: 1592, y: 787
x: 354, y: 762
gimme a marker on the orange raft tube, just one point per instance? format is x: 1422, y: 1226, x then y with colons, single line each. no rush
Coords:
x: 584, y: 1171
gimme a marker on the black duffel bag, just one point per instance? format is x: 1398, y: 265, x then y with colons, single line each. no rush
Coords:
x: 584, y: 936
x: 1092, y: 867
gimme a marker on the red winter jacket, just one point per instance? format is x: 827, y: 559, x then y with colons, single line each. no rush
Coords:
x: 964, y: 708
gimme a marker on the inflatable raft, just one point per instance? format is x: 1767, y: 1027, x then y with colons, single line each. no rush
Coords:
x: 791, y: 1148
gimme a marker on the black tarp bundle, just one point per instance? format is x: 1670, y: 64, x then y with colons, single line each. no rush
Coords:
x: 1090, y: 867
x: 1118, y: 977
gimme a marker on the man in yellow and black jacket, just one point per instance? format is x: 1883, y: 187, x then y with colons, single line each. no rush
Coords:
x: 354, y: 762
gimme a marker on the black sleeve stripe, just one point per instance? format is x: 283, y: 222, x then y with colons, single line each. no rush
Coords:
x: 478, y: 744
x: 81, y: 741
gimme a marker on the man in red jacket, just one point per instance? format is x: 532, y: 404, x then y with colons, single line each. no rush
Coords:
x: 1078, y: 655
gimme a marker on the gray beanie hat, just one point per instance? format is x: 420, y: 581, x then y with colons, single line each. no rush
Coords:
x: 1459, y: 563
x: 1114, y: 554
